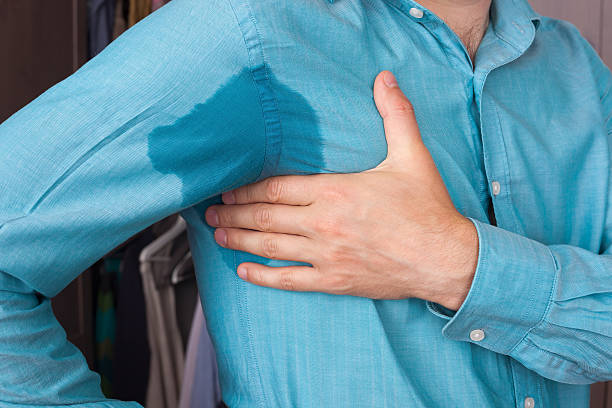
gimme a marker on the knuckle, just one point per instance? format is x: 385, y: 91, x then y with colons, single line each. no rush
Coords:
x: 269, y: 248
x: 263, y: 218
x: 258, y: 276
x: 249, y: 193
x: 287, y: 279
x: 401, y: 107
x: 274, y: 190
x: 225, y: 217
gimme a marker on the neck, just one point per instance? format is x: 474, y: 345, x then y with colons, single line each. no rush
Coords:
x: 467, y: 18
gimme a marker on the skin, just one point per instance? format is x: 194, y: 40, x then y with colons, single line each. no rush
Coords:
x: 467, y: 18
x: 391, y: 232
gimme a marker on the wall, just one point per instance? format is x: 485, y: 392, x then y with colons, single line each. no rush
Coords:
x: 592, y: 17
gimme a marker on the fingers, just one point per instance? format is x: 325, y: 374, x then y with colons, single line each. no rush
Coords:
x: 401, y: 128
x: 281, y: 218
x: 295, y: 278
x: 291, y: 190
x: 272, y: 246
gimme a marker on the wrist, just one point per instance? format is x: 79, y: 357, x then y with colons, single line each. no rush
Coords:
x: 462, y: 262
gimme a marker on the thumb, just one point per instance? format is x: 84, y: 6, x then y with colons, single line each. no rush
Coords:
x: 401, y: 128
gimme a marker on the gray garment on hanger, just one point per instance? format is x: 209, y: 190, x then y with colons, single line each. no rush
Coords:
x: 200, y: 382
x: 165, y: 341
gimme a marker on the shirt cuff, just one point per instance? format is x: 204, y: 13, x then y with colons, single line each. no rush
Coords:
x: 510, y: 293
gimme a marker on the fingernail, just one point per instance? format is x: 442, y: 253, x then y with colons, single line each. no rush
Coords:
x: 242, y: 272
x: 221, y: 237
x: 390, y: 80
x: 228, y: 197
x: 212, y: 218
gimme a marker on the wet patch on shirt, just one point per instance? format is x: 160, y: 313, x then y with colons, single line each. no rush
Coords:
x: 224, y: 142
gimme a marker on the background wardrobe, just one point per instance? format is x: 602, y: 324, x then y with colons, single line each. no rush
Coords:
x: 43, y: 42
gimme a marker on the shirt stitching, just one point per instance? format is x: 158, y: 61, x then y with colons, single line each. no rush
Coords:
x: 257, y: 60
x: 253, y: 43
x: 508, y: 179
x: 259, y: 93
x: 549, y: 301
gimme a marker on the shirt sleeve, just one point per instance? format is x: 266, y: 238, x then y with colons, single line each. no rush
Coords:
x: 549, y: 307
x: 166, y: 116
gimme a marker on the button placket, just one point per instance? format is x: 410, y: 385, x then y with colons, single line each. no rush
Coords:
x: 495, y: 187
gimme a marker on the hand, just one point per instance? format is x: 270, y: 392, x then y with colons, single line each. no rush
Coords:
x: 391, y: 232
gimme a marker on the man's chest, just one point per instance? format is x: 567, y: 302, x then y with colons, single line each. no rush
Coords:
x: 533, y: 144
x: 526, y: 133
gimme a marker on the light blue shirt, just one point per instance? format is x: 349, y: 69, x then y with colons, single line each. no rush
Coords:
x: 204, y: 96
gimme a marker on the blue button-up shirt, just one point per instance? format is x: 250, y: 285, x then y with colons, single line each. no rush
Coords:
x: 205, y: 96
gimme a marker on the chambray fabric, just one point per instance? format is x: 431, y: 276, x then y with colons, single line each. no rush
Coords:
x: 204, y: 96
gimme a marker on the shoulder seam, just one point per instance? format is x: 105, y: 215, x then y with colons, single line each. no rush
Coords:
x: 261, y: 77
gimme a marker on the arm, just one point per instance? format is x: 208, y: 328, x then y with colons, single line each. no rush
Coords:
x: 165, y: 117
x: 559, y: 319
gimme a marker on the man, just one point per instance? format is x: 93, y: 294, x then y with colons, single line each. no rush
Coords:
x: 151, y: 127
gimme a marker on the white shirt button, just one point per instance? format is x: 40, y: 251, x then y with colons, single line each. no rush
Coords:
x: 496, y: 187
x: 477, y: 335
x: 416, y: 13
x: 529, y: 402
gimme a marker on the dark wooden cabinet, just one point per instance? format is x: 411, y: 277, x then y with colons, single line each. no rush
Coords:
x: 41, y: 43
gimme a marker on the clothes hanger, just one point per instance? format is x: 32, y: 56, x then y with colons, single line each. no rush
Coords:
x: 148, y: 253
x: 178, y: 273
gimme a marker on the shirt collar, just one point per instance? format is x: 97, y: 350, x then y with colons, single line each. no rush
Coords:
x: 514, y: 20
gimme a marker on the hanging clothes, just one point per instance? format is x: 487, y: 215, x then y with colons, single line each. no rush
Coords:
x: 139, y: 9
x: 131, y: 351
x: 105, y: 322
x: 200, y: 381
x: 100, y: 22
x: 157, y: 263
x: 185, y: 294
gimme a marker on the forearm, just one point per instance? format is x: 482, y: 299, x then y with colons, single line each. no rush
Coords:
x: 38, y: 365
